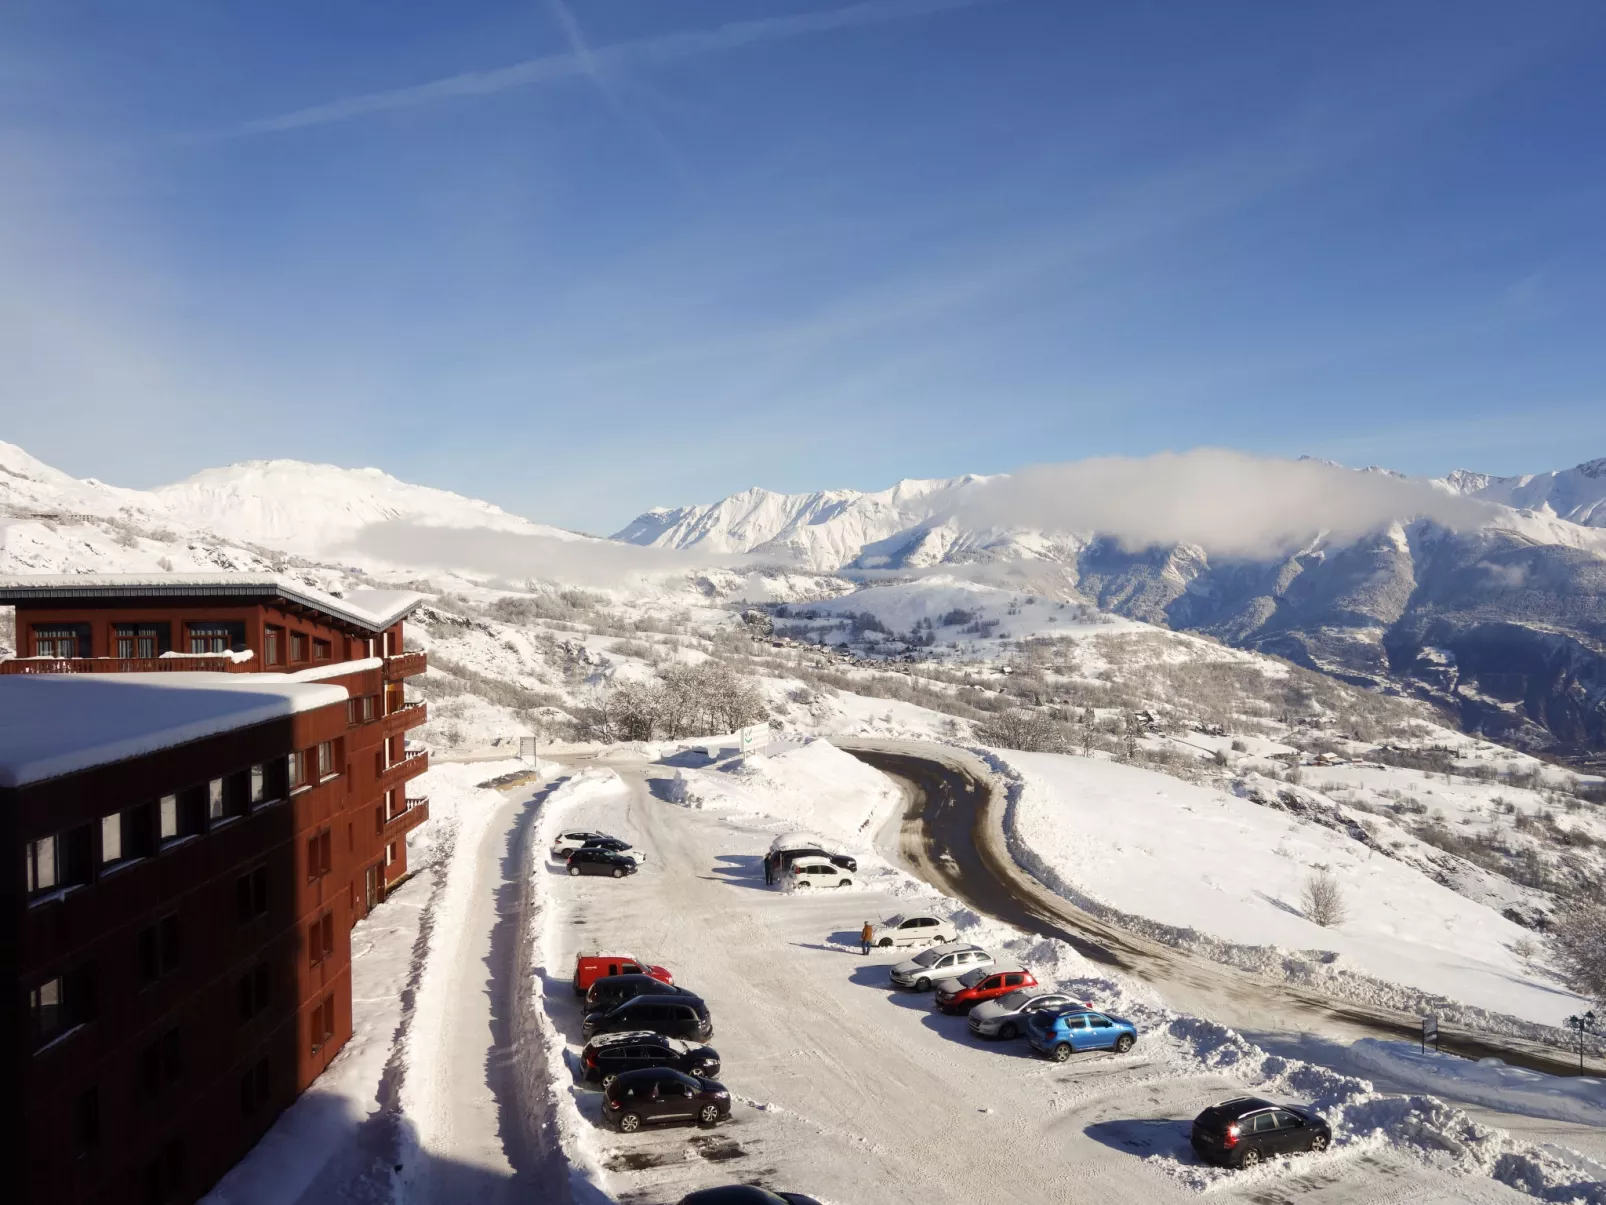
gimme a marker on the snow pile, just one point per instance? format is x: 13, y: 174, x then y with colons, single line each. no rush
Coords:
x: 1104, y: 835
x: 1487, y: 1082
x: 812, y: 785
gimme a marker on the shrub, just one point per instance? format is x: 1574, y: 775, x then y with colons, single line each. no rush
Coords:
x: 1323, y: 899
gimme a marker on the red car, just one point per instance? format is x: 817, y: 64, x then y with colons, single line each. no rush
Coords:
x: 984, y: 983
x: 588, y: 968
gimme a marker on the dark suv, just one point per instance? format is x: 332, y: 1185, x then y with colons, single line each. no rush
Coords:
x: 610, y: 1055
x: 781, y: 860
x: 1243, y: 1131
x: 612, y: 990
x: 601, y: 861
x: 678, y: 1016
x: 640, y: 1098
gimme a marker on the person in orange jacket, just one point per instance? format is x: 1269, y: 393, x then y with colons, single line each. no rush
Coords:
x: 865, y: 935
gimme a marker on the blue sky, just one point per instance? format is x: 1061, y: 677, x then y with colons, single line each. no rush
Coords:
x: 583, y: 258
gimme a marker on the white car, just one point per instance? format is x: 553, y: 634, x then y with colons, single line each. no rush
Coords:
x: 808, y: 874
x: 1006, y: 1016
x: 938, y: 963
x: 567, y: 843
x: 912, y: 929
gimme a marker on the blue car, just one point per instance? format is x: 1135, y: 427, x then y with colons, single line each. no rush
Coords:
x: 1059, y: 1034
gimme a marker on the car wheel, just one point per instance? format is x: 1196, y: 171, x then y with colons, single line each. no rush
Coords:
x: 845, y: 883
x: 617, y: 873
x: 630, y: 1123
x: 802, y: 885
x: 884, y: 943
x: 1123, y: 1043
x: 607, y: 1080
x: 1249, y: 1158
x: 708, y: 1115
x: 1007, y: 1030
x: 574, y: 870
x: 1062, y: 1052
x: 1318, y: 1142
x: 922, y: 985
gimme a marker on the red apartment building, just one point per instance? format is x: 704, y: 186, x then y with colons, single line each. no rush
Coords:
x: 202, y: 788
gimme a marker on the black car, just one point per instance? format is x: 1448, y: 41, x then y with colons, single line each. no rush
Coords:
x: 781, y: 860
x: 611, y: 844
x: 639, y: 1098
x: 679, y: 1016
x: 601, y: 861
x: 1243, y: 1131
x: 744, y: 1194
x: 611, y: 990
x: 610, y: 1055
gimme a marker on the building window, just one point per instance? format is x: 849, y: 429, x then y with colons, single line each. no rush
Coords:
x: 259, y: 784
x: 60, y: 1004
x: 296, y: 768
x: 326, y: 759
x: 390, y: 854
x: 216, y: 637
x: 127, y: 835
x: 41, y: 855
x: 158, y: 950
x: 65, y: 640
x: 158, y: 1067
x: 58, y: 861
x: 214, y: 799
x: 251, y: 895
x: 322, y: 1023
x: 273, y: 645
x: 253, y: 992
x: 321, y: 650
x: 320, y: 855
x: 86, y: 1121
x: 298, y: 646
x: 168, y: 811
x: 254, y: 1088
x: 111, y: 838
x: 164, y: 1175
x: 140, y: 640
x: 321, y: 939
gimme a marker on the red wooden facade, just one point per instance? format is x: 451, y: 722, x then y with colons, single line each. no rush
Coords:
x: 214, y: 971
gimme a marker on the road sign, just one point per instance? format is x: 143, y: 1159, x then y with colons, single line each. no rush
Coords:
x: 1430, y: 1033
x: 749, y: 737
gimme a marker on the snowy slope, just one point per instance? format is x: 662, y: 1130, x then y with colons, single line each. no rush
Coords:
x: 1577, y: 495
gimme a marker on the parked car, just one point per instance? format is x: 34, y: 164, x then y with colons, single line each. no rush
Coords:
x: 1006, y: 1016
x: 939, y: 962
x: 1058, y: 1035
x: 588, y: 968
x: 656, y: 1094
x: 744, y: 1194
x: 780, y: 861
x: 615, y: 845
x: 567, y: 843
x: 795, y: 841
x: 601, y: 861
x: 678, y: 1016
x: 915, y: 929
x: 807, y: 873
x: 610, y: 990
x: 982, y: 984
x: 609, y: 1055
x: 1245, y: 1130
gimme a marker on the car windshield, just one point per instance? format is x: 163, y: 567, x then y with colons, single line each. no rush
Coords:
x: 892, y: 922
x: 972, y: 978
x: 926, y: 957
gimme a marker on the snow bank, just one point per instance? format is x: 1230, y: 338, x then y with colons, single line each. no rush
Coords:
x: 1487, y: 1082
x: 1104, y: 835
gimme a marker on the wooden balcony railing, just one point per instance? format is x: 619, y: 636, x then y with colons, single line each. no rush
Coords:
x: 405, y: 819
x: 127, y: 665
x: 410, y: 766
x: 405, y: 665
x: 405, y: 717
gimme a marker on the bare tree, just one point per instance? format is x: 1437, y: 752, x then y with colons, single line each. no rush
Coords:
x: 1324, y: 899
x: 1578, y: 940
x: 1028, y: 731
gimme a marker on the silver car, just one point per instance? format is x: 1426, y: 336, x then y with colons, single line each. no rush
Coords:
x: 939, y: 962
x: 912, y: 929
x: 1006, y: 1016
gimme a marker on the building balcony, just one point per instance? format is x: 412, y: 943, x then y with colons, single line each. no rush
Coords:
x: 405, y: 665
x: 405, y: 717
x: 409, y: 767
x: 222, y: 663
x: 405, y: 819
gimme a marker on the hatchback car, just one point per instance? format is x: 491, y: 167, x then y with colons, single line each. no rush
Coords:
x: 680, y: 1016
x: 601, y: 861
x: 1058, y: 1035
x: 744, y: 1194
x: 1006, y: 1016
x: 918, y: 929
x: 982, y: 984
x: 809, y: 873
x: 613, y: 990
x: 610, y: 1055
x: 656, y: 1094
x: 615, y: 845
x: 1243, y: 1131
x: 779, y: 863
x: 938, y: 963
x: 588, y: 968
x: 567, y: 843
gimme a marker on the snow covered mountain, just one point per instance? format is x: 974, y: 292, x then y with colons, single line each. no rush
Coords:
x: 1577, y: 495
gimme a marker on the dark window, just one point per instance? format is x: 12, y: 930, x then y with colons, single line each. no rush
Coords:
x: 253, y: 991
x: 322, y: 1022
x: 164, y: 1175
x: 215, y: 636
x: 159, y: 1065
x: 143, y: 640
x: 86, y: 1121
x: 321, y: 939
x: 129, y: 834
x: 251, y: 895
x: 254, y: 1088
x: 296, y: 768
x: 321, y: 650
x: 158, y: 949
x: 320, y: 855
x: 60, y: 1004
x: 273, y: 645
x: 298, y: 647
x: 62, y: 640
x: 326, y: 759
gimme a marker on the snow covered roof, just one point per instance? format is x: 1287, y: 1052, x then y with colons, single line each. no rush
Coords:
x: 55, y: 724
x: 374, y: 610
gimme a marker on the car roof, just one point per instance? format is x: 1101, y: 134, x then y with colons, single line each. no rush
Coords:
x: 1240, y: 1105
x: 815, y: 860
x: 732, y: 1194
x: 634, y: 977
x: 627, y: 1035
x: 606, y: 957
x: 639, y: 1073
x: 1005, y: 967
x: 678, y: 996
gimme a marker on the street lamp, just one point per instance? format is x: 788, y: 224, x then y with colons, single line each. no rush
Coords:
x: 1584, y: 1024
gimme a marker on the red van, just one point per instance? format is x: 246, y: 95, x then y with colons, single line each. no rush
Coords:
x: 588, y: 968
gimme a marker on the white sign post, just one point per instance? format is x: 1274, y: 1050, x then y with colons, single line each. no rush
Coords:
x: 1430, y: 1033
x: 749, y: 737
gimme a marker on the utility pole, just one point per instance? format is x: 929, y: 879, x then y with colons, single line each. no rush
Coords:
x: 1583, y: 1024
